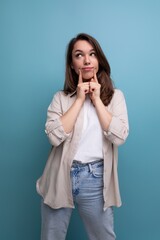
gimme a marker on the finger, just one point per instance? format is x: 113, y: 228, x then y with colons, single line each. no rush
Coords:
x: 86, y: 91
x: 86, y: 88
x: 95, y: 76
x: 92, y: 85
x: 80, y: 77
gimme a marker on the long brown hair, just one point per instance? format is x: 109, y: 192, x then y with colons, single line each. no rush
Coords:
x: 103, y: 75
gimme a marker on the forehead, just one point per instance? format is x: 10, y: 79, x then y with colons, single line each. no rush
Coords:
x: 82, y: 45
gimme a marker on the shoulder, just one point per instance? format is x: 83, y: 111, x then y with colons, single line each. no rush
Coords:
x: 62, y: 99
x: 57, y: 98
x: 60, y: 96
x: 118, y: 92
x: 118, y: 95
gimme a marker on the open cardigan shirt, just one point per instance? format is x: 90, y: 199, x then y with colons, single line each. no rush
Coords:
x: 55, y: 184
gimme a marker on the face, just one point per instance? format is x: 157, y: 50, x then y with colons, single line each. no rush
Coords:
x: 84, y: 58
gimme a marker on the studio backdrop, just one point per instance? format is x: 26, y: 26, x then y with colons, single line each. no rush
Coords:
x: 34, y: 36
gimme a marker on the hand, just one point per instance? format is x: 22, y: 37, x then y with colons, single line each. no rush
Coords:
x: 94, y: 88
x: 82, y: 88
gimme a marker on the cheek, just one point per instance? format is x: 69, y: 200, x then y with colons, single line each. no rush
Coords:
x: 97, y: 65
x: 76, y: 67
x: 76, y: 70
x: 97, y: 68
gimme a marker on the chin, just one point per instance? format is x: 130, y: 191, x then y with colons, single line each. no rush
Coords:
x: 87, y: 80
x: 87, y: 77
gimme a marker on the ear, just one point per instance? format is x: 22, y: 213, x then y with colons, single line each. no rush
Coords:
x: 72, y: 66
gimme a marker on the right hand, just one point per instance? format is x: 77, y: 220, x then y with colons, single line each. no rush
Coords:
x: 82, y: 88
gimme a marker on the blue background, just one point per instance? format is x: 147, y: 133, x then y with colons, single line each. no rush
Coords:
x: 34, y: 35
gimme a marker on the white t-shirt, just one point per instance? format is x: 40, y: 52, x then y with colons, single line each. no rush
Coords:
x: 90, y: 146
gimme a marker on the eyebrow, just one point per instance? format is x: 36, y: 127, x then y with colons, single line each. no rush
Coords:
x: 78, y: 50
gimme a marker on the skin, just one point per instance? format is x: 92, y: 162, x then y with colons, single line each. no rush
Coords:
x: 85, y: 64
x: 84, y: 59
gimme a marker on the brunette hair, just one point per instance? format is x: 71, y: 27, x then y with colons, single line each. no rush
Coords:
x: 103, y: 75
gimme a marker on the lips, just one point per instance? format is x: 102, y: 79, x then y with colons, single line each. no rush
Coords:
x: 87, y: 69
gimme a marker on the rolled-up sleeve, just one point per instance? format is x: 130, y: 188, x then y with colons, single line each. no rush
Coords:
x: 118, y: 129
x: 53, y: 126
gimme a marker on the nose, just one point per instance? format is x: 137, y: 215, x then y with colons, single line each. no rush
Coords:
x: 86, y: 60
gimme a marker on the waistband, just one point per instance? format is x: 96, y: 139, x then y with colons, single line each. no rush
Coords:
x: 79, y: 163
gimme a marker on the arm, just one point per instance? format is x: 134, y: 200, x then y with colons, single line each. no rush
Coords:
x: 118, y: 129
x: 70, y: 117
x: 59, y: 125
x: 114, y: 122
x: 104, y: 116
x: 53, y: 126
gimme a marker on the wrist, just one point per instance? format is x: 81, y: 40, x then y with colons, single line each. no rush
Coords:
x: 79, y: 101
x: 96, y: 101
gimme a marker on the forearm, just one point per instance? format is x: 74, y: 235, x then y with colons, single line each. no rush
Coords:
x: 104, y: 116
x: 69, y: 118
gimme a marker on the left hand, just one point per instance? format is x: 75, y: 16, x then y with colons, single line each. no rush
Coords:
x: 94, y: 88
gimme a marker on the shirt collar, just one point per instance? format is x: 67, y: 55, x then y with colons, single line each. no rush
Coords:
x: 73, y: 93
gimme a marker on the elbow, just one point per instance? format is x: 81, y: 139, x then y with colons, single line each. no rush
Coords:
x: 118, y: 141
x: 54, y: 141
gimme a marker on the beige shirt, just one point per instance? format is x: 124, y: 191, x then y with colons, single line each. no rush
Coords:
x: 55, y: 184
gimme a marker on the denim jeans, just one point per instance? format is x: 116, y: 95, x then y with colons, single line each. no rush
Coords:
x: 87, y: 190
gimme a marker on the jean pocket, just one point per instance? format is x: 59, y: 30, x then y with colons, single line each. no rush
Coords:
x: 97, y: 172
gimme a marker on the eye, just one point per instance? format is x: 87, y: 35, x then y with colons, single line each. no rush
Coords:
x: 93, y: 54
x: 78, y: 55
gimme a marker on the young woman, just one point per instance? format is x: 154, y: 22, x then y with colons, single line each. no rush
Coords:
x: 86, y: 122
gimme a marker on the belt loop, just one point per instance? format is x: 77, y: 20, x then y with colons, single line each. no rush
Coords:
x: 90, y: 167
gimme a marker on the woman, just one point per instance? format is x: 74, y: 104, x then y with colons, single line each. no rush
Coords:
x: 86, y: 122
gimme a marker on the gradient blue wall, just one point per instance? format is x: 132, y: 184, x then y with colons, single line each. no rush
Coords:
x: 33, y: 40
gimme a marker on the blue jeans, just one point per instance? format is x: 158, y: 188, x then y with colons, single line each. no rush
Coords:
x: 87, y: 189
